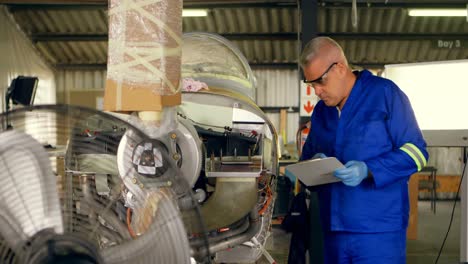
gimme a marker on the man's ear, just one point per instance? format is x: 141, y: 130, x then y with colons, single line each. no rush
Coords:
x: 341, y: 68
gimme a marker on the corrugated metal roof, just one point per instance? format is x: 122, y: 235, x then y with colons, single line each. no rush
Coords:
x: 77, y: 52
x: 245, y: 20
x: 35, y: 21
x: 68, y: 36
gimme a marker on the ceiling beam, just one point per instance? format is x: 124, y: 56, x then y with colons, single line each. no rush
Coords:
x: 239, y: 4
x: 103, y: 66
x: 293, y: 65
x: 261, y: 36
x: 185, y: 2
x: 273, y: 36
x: 18, y: 5
x: 254, y: 65
x: 81, y: 66
x: 43, y: 37
x: 53, y: 2
x: 223, y: 2
x: 61, y: 7
x: 68, y: 37
x: 276, y: 65
x: 103, y: 6
x: 395, y: 3
x: 40, y: 4
x: 395, y: 36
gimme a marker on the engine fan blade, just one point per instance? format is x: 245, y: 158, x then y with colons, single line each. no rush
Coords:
x: 164, y: 241
x: 28, y: 189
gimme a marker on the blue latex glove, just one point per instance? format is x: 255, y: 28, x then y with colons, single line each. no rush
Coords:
x: 289, y: 174
x: 319, y: 156
x: 353, y: 173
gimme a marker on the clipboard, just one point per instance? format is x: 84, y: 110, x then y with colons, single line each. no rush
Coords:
x: 315, y: 172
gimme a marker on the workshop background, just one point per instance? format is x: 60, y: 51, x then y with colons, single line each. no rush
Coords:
x: 66, y: 43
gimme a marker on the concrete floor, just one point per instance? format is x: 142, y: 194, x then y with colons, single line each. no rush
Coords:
x: 431, y: 232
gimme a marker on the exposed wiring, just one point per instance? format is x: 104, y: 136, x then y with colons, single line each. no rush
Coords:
x: 453, y: 212
x: 129, y: 223
x: 268, y: 201
x: 250, y: 132
x: 201, y: 124
x: 262, y: 188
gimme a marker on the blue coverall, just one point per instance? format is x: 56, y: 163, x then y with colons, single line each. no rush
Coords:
x: 377, y: 125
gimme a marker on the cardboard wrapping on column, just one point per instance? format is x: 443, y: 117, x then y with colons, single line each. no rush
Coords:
x: 137, y: 98
x: 144, y: 61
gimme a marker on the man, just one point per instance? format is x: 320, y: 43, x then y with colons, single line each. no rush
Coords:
x: 368, y: 124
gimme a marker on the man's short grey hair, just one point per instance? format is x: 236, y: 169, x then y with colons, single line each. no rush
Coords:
x: 314, y: 46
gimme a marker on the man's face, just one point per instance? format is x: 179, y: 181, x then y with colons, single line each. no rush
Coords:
x: 323, y: 77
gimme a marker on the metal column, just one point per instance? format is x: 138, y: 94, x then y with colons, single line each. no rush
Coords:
x: 309, y: 11
x: 308, y: 29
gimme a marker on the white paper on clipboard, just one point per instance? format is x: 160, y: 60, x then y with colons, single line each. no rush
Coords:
x: 316, y: 171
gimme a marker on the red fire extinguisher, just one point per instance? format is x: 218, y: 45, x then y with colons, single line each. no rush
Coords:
x: 301, y: 136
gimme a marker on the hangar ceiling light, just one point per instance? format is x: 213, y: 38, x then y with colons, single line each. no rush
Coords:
x: 194, y: 13
x: 459, y: 12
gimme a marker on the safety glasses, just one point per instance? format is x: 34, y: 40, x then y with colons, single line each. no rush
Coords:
x: 320, y: 79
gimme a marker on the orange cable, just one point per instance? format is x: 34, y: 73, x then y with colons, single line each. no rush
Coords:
x: 268, y: 201
x: 130, y: 230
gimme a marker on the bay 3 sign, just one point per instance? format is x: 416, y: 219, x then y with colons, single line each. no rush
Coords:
x: 449, y: 44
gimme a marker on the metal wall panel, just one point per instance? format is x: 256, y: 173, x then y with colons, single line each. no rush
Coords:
x: 274, y: 88
x: 78, y: 80
x: 277, y: 87
x: 18, y: 57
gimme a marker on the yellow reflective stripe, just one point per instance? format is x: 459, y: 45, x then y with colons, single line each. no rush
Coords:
x: 413, y: 157
x: 415, y: 154
x: 419, y: 153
